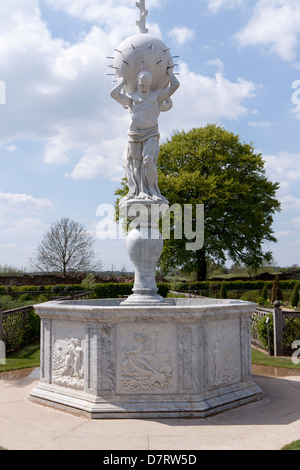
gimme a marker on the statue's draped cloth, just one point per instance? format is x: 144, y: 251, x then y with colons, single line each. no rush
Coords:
x: 143, y: 135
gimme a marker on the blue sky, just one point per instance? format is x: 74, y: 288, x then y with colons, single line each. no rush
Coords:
x: 62, y: 137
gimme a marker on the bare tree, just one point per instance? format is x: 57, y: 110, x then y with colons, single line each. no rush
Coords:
x: 66, y: 248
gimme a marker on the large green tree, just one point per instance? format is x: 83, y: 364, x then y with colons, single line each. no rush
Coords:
x: 213, y: 167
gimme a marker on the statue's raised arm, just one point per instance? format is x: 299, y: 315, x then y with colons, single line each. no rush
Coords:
x: 118, y: 94
x: 167, y: 92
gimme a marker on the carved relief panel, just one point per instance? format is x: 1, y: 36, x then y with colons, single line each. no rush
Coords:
x: 146, y: 359
x: 223, y: 352
x: 68, y: 359
x: 68, y: 366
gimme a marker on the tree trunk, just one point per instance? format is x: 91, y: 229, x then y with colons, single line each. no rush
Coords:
x: 201, y: 265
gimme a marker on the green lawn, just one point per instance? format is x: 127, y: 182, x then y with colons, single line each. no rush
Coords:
x: 293, y: 446
x: 262, y: 359
x: 29, y: 356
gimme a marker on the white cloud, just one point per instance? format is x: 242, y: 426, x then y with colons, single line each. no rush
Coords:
x: 284, y: 167
x: 261, y: 124
x: 216, y: 5
x: 182, y: 35
x: 296, y: 221
x: 115, y: 16
x: 290, y: 202
x: 11, y: 148
x: 276, y: 25
x: 22, y: 202
x: 26, y: 226
x: 296, y: 111
x: 65, y: 86
x: 93, y: 164
x: 56, y: 147
x: 216, y: 63
x: 66, y: 89
x: 208, y: 99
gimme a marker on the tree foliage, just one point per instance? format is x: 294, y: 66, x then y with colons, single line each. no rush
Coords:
x: 65, y: 248
x: 213, y: 167
x: 6, y: 270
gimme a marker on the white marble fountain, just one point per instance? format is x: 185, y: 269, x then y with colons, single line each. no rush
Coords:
x: 145, y: 357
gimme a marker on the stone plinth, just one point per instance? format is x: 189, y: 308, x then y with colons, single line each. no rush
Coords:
x: 184, y: 358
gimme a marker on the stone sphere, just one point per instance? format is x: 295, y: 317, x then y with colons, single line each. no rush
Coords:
x: 143, y: 52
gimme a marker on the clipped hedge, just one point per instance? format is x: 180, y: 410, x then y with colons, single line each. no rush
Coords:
x: 20, y: 329
x: 61, y: 287
x: 112, y: 290
x: 234, y: 285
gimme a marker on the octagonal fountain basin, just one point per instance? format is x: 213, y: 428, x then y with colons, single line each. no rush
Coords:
x: 182, y: 358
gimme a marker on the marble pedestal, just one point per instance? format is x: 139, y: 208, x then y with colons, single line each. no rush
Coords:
x: 184, y: 358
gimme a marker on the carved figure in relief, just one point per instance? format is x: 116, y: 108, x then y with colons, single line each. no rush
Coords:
x: 78, y: 360
x: 141, y: 154
x: 141, y: 368
x: 70, y: 359
x: 225, y: 362
x: 68, y: 363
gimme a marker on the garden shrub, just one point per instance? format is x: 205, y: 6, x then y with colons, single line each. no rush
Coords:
x: 5, y: 302
x: 177, y: 286
x: 112, y: 291
x: 28, y: 288
x: 262, y: 302
x: 294, y: 300
x: 213, y: 289
x: 264, y: 292
x: 276, y: 290
x: 68, y: 289
x: 291, y: 333
x: 235, y: 285
x: 163, y: 289
x: 263, y: 329
x: 18, y: 330
x: 25, y: 298
x: 32, y: 328
x: 88, y: 283
x: 251, y: 296
x: 223, y: 291
x: 8, y: 302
